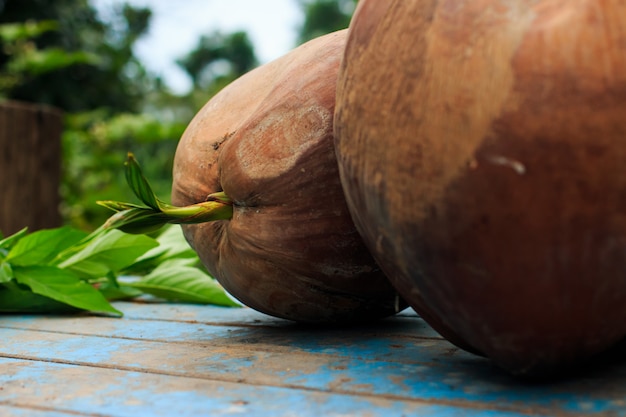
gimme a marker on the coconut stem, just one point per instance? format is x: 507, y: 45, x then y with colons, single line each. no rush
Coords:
x: 154, y: 214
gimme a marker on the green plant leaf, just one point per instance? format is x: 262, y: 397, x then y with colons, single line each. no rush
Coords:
x: 174, y: 280
x: 6, y: 272
x: 109, y: 251
x: 172, y: 245
x: 118, y: 205
x: 41, y: 247
x: 63, y: 286
x: 132, y: 218
x: 173, y: 241
x: 14, y: 299
x: 112, y: 290
x: 137, y: 220
x: 121, y: 292
x: 9, y: 241
x: 139, y: 184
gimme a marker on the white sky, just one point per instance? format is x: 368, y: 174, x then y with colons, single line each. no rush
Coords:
x: 176, y: 26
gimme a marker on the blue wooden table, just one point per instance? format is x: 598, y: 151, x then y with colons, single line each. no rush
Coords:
x: 185, y: 360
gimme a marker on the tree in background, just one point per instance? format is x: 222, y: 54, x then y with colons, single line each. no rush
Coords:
x: 324, y: 16
x: 112, y: 104
x: 218, y: 59
x: 103, y: 95
x: 115, y: 79
x: 25, y: 60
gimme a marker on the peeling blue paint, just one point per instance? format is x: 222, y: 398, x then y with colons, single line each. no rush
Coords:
x: 247, y: 365
x: 141, y: 394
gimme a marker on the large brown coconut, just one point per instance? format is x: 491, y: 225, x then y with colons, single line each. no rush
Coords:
x: 290, y: 249
x: 482, y: 148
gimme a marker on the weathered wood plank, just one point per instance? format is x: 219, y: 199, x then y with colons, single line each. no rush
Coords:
x: 7, y: 410
x: 386, y: 336
x: 389, y: 360
x: 39, y: 411
x: 30, y: 166
x: 119, y: 393
x: 214, y: 315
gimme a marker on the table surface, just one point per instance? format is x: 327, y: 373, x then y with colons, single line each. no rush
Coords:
x: 164, y: 359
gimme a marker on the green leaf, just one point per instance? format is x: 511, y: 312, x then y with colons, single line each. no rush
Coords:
x: 172, y: 245
x: 14, y: 299
x: 43, y: 246
x: 112, y: 290
x: 139, y: 184
x: 9, y: 241
x: 109, y: 251
x: 118, y: 205
x: 132, y: 218
x: 173, y: 241
x: 63, y: 286
x: 6, y: 272
x: 137, y: 220
x: 121, y: 292
x: 174, y: 280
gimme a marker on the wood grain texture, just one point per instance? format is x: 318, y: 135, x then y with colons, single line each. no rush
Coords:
x: 187, y: 360
x: 30, y: 166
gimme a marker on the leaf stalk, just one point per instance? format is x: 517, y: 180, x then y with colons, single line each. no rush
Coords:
x: 154, y: 213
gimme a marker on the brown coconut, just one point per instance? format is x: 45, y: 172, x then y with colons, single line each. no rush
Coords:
x: 290, y: 249
x: 482, y: 147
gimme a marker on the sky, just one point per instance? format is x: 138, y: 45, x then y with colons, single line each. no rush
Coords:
x: 176, y: 27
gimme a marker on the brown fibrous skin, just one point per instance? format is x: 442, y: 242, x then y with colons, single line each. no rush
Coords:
x: 482, y: 149
x: 291, y: 249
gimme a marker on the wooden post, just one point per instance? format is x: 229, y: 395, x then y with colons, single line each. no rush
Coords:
x: 30, y: 166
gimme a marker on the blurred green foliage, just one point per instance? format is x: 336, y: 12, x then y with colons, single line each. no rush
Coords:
x: 27, y: 60
x: 95, y: 145
x: 112, y: 77
x: 324, y: 16
x: 64, y: 54
x: 219, y: 58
